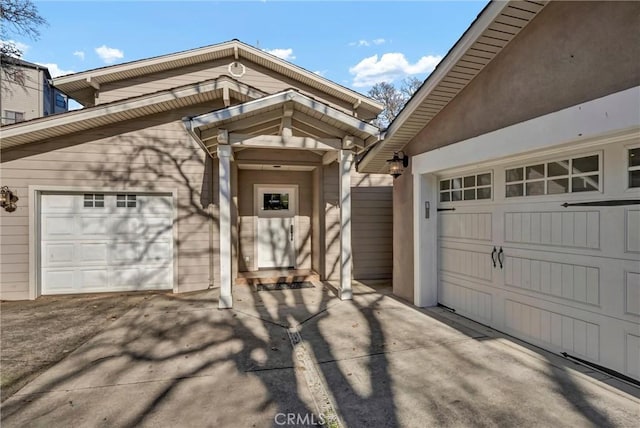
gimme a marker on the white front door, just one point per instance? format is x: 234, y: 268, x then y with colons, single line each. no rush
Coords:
x: 276, y: 208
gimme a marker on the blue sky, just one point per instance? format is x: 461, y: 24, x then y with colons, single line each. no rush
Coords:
x: 354, y: 43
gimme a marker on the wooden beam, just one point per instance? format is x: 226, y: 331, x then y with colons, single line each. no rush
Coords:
x: 95, y: 85
x: 223, y: 136
x: 282, y: 142
x: 321, y: 126
x: 285, y: 123
x: 241, y: 124
x: 226, y: 98
x: 270, y: 128
x: 314, y: 132
x: 348, y: 142
x: 329, y: 157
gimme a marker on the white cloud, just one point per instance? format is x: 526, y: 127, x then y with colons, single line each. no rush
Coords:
x: 79, y: 54
x: 320, y: 73
x: 285, y: 54
x: 23, y: 47
x: 362, y: 43
x: 389, y: 67
x: 109, y: 55
x: 55, y: 70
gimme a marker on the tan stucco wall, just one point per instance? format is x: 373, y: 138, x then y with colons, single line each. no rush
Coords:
x: 571, y: 53
x: 151, y: 153
x: 403, y: 237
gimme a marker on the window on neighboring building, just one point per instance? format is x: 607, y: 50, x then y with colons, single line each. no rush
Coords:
x: 61, y: 100
x: 128, y: 201
x: 634, y: 167
x: 10, y: 117
x: 93, y: 200
x: 467, y: 188
x: 570, y: 175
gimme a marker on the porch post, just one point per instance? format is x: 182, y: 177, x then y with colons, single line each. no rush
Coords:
x: 345, y: 158
x: 225, y: 156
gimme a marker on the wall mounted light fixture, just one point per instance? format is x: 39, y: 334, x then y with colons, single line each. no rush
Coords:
x: 397, y: 164
x: 8, y: 199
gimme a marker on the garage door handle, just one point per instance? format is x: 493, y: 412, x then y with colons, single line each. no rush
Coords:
x: 291, y: 232
x: 501, y: 258
x: 493, y: 256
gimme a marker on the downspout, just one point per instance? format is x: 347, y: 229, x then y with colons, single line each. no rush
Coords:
x: 188, y: 125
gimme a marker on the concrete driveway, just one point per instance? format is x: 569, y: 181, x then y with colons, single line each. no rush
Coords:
x: 303, y: 357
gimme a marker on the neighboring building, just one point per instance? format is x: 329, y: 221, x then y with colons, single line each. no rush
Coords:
x: 186, y: 169
x: 26, y: 92
x: 520, y: 206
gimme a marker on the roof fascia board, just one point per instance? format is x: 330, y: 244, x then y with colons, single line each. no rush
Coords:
x: 119, y: 107
x: 358, y: 99
x: 489, y: 14
x: 94, y: 73
x: 281, y: 98
x: 237, y: 48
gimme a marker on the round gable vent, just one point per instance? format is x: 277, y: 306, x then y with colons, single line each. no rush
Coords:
x: 237, y: 69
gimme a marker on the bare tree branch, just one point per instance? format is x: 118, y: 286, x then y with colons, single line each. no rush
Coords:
x: 18, y: 18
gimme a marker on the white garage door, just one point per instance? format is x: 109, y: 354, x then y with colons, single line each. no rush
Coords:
x: 548, y: 250
x: 98, y: 242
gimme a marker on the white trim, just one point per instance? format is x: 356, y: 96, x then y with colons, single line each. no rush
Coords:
x: 289, y: 95
x: 225, y: 156
x: 630, y: 168
x: 425, y: 259
x: 284, y: 142
x: 35, y: 190
x: 345, y: 160
x: 615, y: 116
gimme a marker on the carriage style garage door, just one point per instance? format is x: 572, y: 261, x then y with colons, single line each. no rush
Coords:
x: 93, y: 242
x: 547, y: 249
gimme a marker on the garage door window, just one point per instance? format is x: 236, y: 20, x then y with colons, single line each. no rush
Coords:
x: 579, y: 174
x: 92, y: 200
x: 634, y: 167
x: 468, y: 188
x: 126, y: 201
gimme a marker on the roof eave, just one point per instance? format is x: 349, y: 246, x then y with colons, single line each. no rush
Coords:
x: 482, y: 23
x: 78, y: 81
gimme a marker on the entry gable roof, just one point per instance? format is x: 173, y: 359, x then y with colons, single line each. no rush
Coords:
x: 494, y: 28
x: 305, y: 112
x: 104, y: 114
x: 79, y: 82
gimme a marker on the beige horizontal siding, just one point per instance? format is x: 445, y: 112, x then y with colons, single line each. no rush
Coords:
x: 255, y: 76
x: 371, y: 225
x: 151, y: 154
